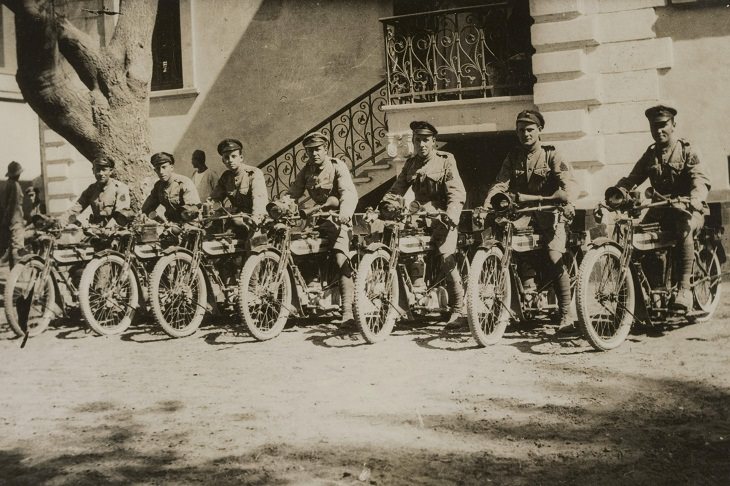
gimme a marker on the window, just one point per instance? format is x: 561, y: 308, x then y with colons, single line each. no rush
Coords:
x: 167, y: 67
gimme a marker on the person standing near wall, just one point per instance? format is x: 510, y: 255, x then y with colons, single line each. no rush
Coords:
x: 12, y: 221
x: 205, y: 179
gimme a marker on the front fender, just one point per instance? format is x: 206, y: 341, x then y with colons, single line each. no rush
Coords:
x: 264, y: 248
x: 108, y: 252
x: 491, y: 243
x: 373, y: 247
x: 603, y: 241
x: 176, y: 249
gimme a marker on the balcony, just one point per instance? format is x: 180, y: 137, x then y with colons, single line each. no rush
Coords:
x: 458, y: 54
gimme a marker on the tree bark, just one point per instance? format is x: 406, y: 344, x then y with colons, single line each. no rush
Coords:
x: 96, y: 97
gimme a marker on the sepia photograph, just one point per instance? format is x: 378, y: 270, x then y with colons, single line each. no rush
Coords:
x: 364, y: 242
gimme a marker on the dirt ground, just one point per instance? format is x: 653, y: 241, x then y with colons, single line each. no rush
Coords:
x: 318, y: 406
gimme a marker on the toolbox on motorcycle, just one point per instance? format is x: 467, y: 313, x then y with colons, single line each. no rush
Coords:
x: 148, y: 233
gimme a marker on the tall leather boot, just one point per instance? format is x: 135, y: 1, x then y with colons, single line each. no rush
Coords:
x: 562, y: 291
x: 683, y: 301
x: 347, y: 296
x: 455, y: 291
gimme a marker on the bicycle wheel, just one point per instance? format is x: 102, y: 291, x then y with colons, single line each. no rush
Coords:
x: 108, y: 296
x: 376, y: 295
x: 706, y: 283
x: 488, y: 297
x: 264, y: 301
x: 605, y: 306
x: 178, y: 294
x: 21, y: 279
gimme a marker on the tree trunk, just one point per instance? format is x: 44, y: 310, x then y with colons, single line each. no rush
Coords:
x: 96, y: 97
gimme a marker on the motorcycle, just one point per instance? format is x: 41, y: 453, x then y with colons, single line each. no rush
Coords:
x: 115, y: 283
x: 295, y: 273
x: 399, y: 274
x: 43, y: 285
x: 203, y: 261
x: 631, y: 277
x: 495, y: 291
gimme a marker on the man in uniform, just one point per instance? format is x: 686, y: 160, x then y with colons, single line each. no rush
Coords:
x: 673, y: 168
x: 324, y: 177
x: 12, y: 222
x: 104, y: 197
x: 241, y: 188
x: 174, y: 192
x: 534, y: 171
x: 434, y: 178
x: 204, y: 178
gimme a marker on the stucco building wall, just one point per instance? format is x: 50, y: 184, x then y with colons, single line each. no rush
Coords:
x: 267, y: 71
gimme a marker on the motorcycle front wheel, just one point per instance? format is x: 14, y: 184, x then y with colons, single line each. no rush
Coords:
x: 178, y: 294
x: 605, y: 305
x: 488, y: 297
x: 108, y: 296
x: 21, y: 279
x: 265, y: 300
x: 376, y: 295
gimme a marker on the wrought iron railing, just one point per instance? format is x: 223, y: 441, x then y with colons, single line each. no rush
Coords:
x: 470, y: 52
x: 357, y: 136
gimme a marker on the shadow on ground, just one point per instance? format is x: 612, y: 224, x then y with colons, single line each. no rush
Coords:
x: 683, y: 439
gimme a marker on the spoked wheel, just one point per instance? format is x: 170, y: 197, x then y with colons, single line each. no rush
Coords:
x: 178, y: 294
x: 265, y: 298
x: 488, y: 297
x: 108, y: 296
x: 605, y: 305
x: 376, y: 295
x: 706, y: 283
x: 23, y: 278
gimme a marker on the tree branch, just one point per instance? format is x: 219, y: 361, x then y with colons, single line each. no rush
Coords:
x: 76, y: 46
x: 132, y: 42
x: 45, y: 78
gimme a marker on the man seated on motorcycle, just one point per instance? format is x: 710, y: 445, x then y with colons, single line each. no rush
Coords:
x: 328, y: 181
x: 534, y: 171
x: 674, y: 170
x: 434, y: 178
x: 174, y: 192
x: 241, y: 188
x: 105, y: 196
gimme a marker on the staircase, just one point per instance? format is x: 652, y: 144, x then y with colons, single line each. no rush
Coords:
x: 357, y: 135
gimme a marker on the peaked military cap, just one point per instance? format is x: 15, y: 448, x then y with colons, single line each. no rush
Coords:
x: 229, y: 145
x: 423, y: 128
x: 103, y: 162
x: 161, y: 157
x: 531, y: 116
x: 315, y: 139
x: 14, y: 169
x: 660, y: 113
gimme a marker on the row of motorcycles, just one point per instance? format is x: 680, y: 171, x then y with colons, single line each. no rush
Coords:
x: 281, y: 267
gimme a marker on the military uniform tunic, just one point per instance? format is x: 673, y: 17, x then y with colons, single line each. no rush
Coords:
x: 174, y: 196
x: 436, y: 184
x: 331, y: 179
x: 242, y: 191
x: 675, y: 171
x: 540, y: 172
x: 103, y: 200
x: 12, y: 228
